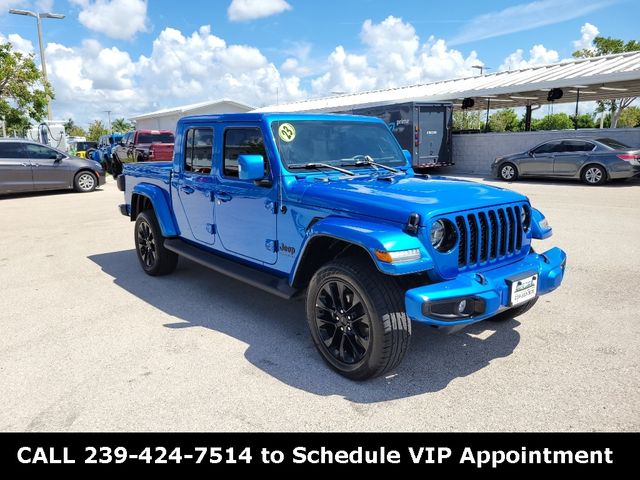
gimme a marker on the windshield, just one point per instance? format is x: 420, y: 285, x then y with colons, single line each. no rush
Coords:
x: 611, y: 143
x: 155, y: 138
x: 336, y: 143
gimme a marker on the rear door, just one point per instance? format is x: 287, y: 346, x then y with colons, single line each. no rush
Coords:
x: 572, y: 157
x: 48, y: 172
x: 196, y: 184
x: 15, y: 169
x: 432, y: 135
x: 540, y: 160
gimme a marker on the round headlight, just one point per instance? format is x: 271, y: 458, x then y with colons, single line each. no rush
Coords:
x: 437, y: 233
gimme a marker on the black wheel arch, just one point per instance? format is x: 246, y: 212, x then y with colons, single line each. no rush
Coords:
x: 322, y: 249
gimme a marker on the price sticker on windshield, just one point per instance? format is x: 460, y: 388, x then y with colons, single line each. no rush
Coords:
x: 287, y: 132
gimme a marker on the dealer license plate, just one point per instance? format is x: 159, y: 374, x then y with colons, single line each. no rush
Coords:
x: 523, y: 290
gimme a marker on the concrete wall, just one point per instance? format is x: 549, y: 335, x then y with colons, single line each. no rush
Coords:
x: 169, y: 121
x: 473, y: 153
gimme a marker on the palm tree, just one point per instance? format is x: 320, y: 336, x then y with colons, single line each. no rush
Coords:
x: 121, y: 125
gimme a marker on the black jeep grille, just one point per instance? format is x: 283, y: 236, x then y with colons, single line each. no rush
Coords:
x: 488, y: 235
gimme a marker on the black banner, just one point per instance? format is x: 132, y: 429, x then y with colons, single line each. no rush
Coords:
x: 215, y: 452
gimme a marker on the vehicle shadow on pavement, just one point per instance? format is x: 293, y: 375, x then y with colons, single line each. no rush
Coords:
x: 279, y: 343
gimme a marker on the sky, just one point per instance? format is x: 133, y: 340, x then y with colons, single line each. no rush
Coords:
x: 137, y: 56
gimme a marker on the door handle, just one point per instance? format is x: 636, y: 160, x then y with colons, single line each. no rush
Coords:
x: 187, y: 190
x: 35, y: 164
x: 223, y: 197
x: 25, y: 164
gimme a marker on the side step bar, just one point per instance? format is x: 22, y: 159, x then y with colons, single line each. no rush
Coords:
x: 256, y: 278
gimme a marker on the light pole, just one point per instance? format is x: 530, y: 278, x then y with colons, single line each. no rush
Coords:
x: 39, y: 17
x: 108, y: 112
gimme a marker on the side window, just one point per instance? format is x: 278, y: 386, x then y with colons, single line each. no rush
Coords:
x: 11, y: 150
x: 242, y: 141
x: 39, y: 152
x: 549, y: 147
x: 577, y: 146
x: 198, y: 150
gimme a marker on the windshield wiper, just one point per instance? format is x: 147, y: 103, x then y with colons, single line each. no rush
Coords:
x: 366, y: 160
x: 310, y: 166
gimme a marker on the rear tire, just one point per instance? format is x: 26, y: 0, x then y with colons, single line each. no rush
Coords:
x: 85, y: 182
x: 514, y: 312
x: 593, y: 175
x: 508, y: 172
x: 357, y: 318
x: 154, y: 259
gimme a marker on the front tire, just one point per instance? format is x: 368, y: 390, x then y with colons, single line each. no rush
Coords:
x: 514, y: 312
x: 154, y: 259
x: 508, y: 172
x: 357, y: 319
x: 594, y: 175
x: 85, y: 182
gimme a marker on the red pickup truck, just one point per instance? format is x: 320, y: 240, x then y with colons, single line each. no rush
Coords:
x: 143, y: 146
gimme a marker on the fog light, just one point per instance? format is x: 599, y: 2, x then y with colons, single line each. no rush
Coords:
x: 462, y: 306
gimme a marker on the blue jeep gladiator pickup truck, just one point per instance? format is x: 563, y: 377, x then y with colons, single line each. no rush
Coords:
x: 329, y: 206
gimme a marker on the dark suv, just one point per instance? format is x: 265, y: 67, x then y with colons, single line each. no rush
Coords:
x: 27, y: 166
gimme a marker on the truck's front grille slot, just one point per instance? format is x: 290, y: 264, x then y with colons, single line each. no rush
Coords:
x: 488, y: 235
x: 462, y: 246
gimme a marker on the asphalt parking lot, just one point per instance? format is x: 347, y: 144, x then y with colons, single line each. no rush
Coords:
x: 89, y: 342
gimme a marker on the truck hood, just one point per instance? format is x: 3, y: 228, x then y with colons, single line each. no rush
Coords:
x: 394, y: 198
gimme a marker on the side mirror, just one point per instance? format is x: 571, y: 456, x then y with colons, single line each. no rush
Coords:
x: 407, y: 155
x: 250, y: 167
x: 530, y: 153
x: 59, y: 157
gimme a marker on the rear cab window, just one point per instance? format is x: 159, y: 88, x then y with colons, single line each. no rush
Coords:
x: 198, y: 150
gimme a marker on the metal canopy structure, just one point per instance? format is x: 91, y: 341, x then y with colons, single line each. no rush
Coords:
x: 585, y: 79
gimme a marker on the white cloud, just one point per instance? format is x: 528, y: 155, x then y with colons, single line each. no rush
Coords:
x: 589, y: 32
x: 91, y: 78
x: 538, y: 55
x: 19, y: 44
x: 7, y: 4
x: 245, y: 10
x: 525, y: 16
x: 393, y: 57
x: 121, y: 19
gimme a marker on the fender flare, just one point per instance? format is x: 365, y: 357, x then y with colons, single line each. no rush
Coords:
x: 158, y: 199
x: 370, y: 236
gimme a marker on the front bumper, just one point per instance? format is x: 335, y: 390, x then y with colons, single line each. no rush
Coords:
x: 489, y: 289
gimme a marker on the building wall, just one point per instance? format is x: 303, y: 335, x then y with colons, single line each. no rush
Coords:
x: 169, y: 121
x: 474, y: 153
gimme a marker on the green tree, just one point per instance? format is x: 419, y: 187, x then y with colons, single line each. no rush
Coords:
x: 73, y: 130
x: 505, y: 120
x: 584, y: 121
x: 24, y: 94
x: 120, y: 125
x: 96, y: 130
x: 630, y: 118
x: 465, y: 120
x: 608, y: 46
x: 554, y: 121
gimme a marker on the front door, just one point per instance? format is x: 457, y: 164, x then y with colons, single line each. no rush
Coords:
x: 246, y: 210
x: 15, y: 169
x: 196, y: 184
x: 48, y: 171
x: 540, y: 160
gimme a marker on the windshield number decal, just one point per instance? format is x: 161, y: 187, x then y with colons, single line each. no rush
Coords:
x: 287, y: 132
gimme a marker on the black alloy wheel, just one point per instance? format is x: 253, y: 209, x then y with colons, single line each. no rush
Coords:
x: 342, y: 321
